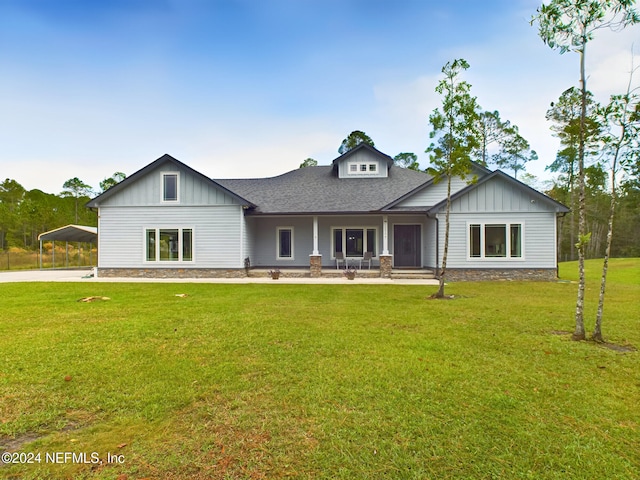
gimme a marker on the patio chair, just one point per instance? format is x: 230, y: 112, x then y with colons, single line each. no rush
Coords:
x: 340, y: 258
x: 368, y: 256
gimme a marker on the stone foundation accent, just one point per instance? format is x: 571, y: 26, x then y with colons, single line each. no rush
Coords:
x: 284, y: 273
x: 386, y: 266
x: 493, y: 274
x: 315, y: 266
x: 172, y: 272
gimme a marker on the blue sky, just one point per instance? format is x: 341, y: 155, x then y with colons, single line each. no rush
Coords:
x: 250, y: 88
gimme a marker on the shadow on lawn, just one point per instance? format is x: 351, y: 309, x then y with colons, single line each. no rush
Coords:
x: 611, y: 346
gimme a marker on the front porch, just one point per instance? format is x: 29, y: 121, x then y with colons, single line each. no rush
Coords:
x: 396, y: 273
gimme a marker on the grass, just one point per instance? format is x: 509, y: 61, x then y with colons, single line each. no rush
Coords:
x: 321, y: 381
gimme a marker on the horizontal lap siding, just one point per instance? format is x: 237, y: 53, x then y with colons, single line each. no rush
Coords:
x: 217, y: 235
x: 264, y: 228
x: 264, y: 252
x: 539, y: 240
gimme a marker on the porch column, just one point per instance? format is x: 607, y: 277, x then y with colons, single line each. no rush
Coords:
x: 315, y: 259
x: 315, y: 236
x: 386, y: 260
x: 385, y: 235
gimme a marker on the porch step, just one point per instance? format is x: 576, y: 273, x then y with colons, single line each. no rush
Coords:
x: 412, y: 273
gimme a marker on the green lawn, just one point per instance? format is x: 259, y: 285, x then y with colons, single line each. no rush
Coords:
x: 321, y: 381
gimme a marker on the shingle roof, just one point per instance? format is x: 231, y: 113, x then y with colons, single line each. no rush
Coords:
x: 319, y: 190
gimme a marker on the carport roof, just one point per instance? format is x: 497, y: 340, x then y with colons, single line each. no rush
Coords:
x: 71, y: 233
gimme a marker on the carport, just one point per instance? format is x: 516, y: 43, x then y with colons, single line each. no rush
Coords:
x: 69, y: 233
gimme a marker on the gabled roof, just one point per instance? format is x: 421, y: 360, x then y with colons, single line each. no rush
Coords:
x: 559, y: 207
x: 318, y: 190
x: 476, y: 167
x: 363, y: 146
x: 94, y: 203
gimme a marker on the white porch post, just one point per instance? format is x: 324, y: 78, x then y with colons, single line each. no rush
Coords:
x: 385, y: 235
x: 315, y: 236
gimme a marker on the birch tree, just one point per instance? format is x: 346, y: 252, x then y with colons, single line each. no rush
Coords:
x: 620, y: 145
x: 569, y: 26
x: 455, y: 138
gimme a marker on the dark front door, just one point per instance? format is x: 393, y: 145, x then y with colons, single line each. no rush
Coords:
x: 406, y: 246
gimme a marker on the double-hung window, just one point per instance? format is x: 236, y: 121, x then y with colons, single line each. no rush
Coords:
x: 495, y: 240
x: 169, y: 244
x: 353, y: 242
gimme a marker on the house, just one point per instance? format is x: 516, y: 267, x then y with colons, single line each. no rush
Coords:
x: 169, y: 220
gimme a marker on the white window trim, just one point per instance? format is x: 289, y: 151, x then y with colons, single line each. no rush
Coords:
x: 180, y: 261
x: 162, y: 175
x: 278, y: 257
x: 358, y: 170
x: 507, y: 224
x: 344, y: 238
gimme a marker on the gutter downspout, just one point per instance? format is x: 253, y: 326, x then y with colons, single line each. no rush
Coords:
x: 557, y: 235
x: 437, y: 247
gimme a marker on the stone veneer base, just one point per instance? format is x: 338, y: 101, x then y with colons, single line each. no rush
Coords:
x: 172, y: 272
x: 493, y: 274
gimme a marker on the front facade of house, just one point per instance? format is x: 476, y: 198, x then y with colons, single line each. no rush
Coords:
x: 170, y: 220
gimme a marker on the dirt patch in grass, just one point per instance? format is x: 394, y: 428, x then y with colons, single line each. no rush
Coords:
x: 560, y: 332
x: 611, y: 346
x: 445, y: 297
x: 14, y: 444
x: 618, y: 348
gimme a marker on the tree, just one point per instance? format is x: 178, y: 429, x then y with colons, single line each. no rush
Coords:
x: 620, y: 147
x: 114, y: 179
x: 569, y: 25
x: 565, y: 115
x: 76, y: 188
x: 514, y: 152
x: 354, y: 139
x: 491, y: 129
x: 407, y: 160
x: 455, y: 139
x: 11, y: 196
x: 309, y: 162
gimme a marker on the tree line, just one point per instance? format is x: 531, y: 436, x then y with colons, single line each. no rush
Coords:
x: 24, y: 214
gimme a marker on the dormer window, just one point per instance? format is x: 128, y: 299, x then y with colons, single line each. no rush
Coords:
x: 363, y: 168
x: 170, y: 187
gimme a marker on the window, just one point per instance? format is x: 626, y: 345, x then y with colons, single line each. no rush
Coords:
x: 495, y: 240
x: 169, y: 187
x: 285, y: 243
x: 363, y: 168
x: 169, y: 244
x: 353, y: 242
